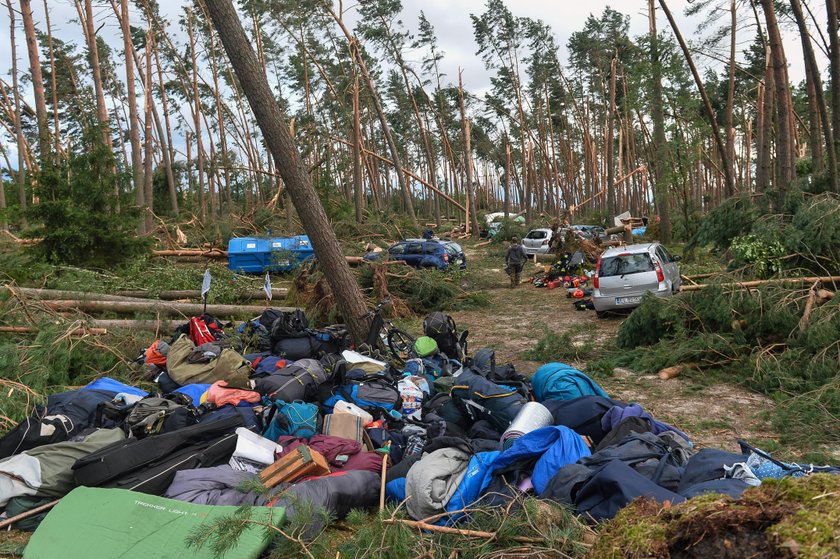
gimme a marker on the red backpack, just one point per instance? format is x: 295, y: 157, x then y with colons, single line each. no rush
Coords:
x: 205, y: 329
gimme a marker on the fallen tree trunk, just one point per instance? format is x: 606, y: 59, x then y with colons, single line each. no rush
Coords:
x: 55, y: 294
x: 276, y: 293
x: 162, y: 307
x: 33, y: 330
x: 213, y: 253
x: 165, y: 325
x: 759, y: 283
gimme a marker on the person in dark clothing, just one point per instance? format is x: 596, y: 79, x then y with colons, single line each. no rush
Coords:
x: 515, y: 258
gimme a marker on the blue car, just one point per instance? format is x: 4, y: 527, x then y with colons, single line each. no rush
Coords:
x: 421, y: 253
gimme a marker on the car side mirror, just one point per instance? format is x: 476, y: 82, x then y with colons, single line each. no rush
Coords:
x: 677, y: 258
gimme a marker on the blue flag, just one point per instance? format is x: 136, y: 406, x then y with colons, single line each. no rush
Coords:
x: 267, y: 286
x: 205, y: 284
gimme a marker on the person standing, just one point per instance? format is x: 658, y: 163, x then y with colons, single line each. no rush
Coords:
x: 515, y: 258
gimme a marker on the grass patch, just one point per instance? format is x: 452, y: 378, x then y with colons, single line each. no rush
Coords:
x: 576, y: 343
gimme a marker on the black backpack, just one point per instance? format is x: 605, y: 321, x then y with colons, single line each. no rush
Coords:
x: 441, y: 328
x: 151, y: 415
x: 289, y: 324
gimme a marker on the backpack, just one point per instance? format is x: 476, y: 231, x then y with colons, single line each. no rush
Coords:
x: 151, y: 415
x: 484, y: 363
x: 293, y: 419
x: 558, y: 381
x: 313, y: 344
x: 289, y: 324
x: 482, y: 398
x: 441, y: 328
x: 582, y: 415
x: 204, y: 329
x: 371, y: 392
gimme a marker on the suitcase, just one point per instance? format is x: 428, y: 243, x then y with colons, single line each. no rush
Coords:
x: 299, y: 463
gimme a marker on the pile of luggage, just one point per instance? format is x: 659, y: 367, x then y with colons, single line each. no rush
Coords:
x: 321, y: 427
x: 568, y: 273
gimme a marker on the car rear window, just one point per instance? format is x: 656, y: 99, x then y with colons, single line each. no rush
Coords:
x: 537, y: 235
x: 453, y: 248
x: 625, y: 264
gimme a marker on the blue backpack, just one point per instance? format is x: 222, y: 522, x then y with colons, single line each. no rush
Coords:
x: 295, y: 419
x: 558, y: 381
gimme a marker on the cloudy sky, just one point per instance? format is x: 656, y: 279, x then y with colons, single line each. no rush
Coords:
x: 451, y: 19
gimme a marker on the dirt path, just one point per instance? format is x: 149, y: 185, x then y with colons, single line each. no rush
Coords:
x: 714, y: 416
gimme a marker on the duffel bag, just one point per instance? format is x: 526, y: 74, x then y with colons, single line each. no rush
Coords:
x: 130, y: 464
x: 484, y: 399
x: 298, y: 381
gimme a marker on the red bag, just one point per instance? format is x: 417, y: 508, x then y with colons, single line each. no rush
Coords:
x: 204, y: 331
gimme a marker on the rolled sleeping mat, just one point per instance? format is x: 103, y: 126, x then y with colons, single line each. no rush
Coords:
x: 531, y: 417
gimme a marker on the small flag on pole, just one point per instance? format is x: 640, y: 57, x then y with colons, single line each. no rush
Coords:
x: 267, y: 286
x: 205, y: 284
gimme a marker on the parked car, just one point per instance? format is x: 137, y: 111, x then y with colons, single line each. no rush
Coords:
x: 625, y: 273
x: 590, y: 232
x: 537, y: 241
x: 423, y: 253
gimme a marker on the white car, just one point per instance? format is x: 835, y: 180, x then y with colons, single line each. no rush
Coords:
x: 537, y: 241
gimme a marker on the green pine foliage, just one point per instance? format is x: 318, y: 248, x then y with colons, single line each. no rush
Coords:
x: 752, y: 337
x: 78, y: 221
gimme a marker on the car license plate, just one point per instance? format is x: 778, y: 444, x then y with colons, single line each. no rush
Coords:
x: 627, y: 300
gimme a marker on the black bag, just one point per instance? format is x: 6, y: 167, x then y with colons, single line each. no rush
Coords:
x: 149, y: 464
x: 314, y: 344
x: 289, y: 324
x: 582, y: 415
x: 484, y: 363
x: 484, y: 399
x: 151, y: 415
x: 298, y: 381
x: 441, y: 328
x: 443, y: 406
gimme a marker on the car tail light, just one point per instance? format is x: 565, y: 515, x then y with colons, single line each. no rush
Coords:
x: 446, y: 257
x: 545, y: 242
x: 595, y: 282
x: 660, y: 277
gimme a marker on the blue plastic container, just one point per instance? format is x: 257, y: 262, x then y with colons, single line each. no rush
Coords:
x: 277, y: 254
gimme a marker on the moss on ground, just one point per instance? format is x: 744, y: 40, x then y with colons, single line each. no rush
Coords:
x: 781, y: 518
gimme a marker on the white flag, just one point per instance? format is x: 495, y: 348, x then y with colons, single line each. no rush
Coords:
x: 205, y: 284
x: 267, y: 286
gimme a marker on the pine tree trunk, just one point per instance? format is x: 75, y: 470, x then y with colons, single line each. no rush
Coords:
x: 472, y: 219
x: 346, y: 291
x: 199, y: 147
x: 660, y: 159
x: 358, y: 193
x: 608, y: 160
x: 833, y: 14
x: 56, y: 116
x: 21, y: 172
x: 37, y: 82
x: 730, y: 98
x: 133, y: 115
x: 819, y: 96
x: 710, y: 113
x: 785, y: 153
x: 96, y: 74
x: 148, y: 208
x: 169, y: 156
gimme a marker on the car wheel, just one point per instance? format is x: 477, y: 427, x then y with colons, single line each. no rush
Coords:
x: 601, y: 314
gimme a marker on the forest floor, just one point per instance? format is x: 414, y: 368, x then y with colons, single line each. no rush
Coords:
x: 715, y: 413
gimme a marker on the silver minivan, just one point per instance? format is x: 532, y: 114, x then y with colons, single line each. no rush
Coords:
x: 625, y: 273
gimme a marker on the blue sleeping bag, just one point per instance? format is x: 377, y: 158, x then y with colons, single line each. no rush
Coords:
x: 558, y: 381
x: 110, y: 385
x: 555, y: 446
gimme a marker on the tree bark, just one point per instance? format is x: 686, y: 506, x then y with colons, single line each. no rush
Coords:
x: 148, y: 207
x: 730, y: 97
x: 348, y: 296
x: 608, y: 160
x: 833, y: 13
x: 37, y: 82
x: 660, y: 160
x: 472, y: 219
x: 133, y: 115
x: 819, y: 95
x: 507, y: 178
x: 56, y: 116
x: 728, y: 178
x: 21, y: 147
x: 93, y: 55
x: 358, y: 193
x: 199, y: 145
x: 785, y: 153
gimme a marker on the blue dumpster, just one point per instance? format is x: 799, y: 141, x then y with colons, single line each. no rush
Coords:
x: 277, y: 254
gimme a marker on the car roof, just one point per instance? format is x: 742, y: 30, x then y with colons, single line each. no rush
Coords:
x: 632, y: 249
x: 540, y: 229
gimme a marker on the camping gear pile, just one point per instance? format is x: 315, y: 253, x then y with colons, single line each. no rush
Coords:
x: 329, y: 429
x: 569, y: 273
